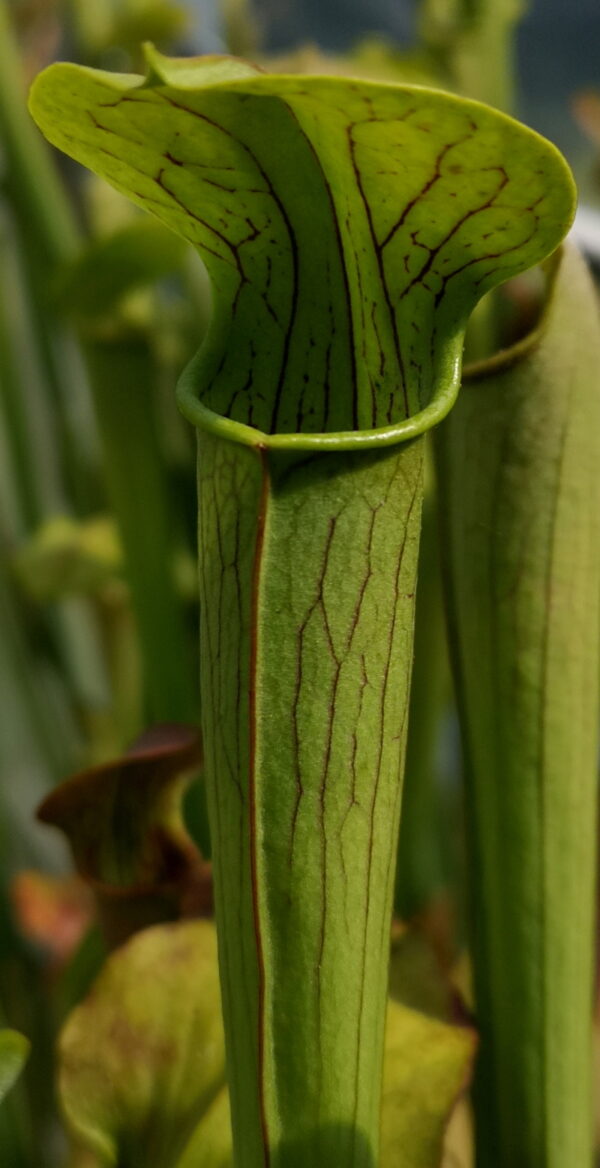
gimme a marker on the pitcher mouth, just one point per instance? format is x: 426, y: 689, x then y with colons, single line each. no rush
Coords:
x: 419, y: 423
x: 363, y: 221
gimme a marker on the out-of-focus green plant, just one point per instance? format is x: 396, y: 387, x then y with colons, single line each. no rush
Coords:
x: 119, y: 353
x: 117, y: 27
x: 472, y: 44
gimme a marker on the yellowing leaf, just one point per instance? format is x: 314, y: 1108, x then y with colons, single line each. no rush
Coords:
x: 427, y: 1065
x: 142, y: 1058
x: 14, y: 1049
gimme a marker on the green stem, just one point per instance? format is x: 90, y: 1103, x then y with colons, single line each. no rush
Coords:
x: 49, y: 237
x: 519, y: 481
x: 64, y: 377
x: 70, y: 624
x: 122, y: 648
x: 33, y: 176
x: 473, y: 42
x: 122, y: 373
x: 420, y: 874
x: 32, y: 712
x: 30, y: 424
x: 17, y: 1129
x: 308, y: 572
x: 12, y: 403
x: 483, y: 58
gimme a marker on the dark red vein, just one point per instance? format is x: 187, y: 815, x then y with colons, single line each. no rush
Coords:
x: 384, y: 689
x: 252, y: 809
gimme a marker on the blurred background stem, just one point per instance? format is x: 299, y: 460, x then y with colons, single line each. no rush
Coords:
x: 473, y: 44
x: 120, y: 373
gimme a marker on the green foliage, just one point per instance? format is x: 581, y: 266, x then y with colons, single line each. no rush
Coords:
x: 138, y: 254
x: 348, y: 230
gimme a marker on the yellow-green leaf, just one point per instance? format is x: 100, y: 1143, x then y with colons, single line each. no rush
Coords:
x: 142, y: 1059
x: 65, y: 557
x: 14, y: 1049
x: 427, y: 1064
